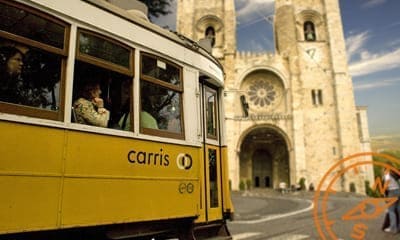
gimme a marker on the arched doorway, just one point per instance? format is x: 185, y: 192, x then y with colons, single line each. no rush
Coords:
x: 262, y: 168
x: 264, y: 158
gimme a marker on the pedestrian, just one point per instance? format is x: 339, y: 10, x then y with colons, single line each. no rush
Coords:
x: 391, y: 223
x: 282, y: 187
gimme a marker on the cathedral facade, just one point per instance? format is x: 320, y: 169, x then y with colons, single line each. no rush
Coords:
x: 290, y: 115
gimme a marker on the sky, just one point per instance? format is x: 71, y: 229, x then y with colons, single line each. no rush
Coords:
x: 372, y: 34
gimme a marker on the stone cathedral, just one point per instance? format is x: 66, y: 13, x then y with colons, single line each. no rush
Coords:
x: 289, y: 114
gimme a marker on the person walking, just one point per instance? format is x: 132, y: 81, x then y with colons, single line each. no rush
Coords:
x: 393, y: 191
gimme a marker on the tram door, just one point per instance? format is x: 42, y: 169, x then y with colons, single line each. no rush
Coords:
x: 212, y: 153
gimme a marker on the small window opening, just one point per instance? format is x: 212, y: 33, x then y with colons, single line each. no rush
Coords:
x: 320, y: 97
x: 313, y: 98
x: 245, y: 105
x: 309, y: 31
x: 316, y: 96
x: 210, y: 34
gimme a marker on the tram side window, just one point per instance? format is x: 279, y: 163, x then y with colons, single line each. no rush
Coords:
x: 102, y: 82
x: 32, y: 57
x: 211, y: 113
x: 161, y: 97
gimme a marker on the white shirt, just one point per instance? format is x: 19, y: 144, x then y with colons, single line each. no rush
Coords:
x: 393, y: 185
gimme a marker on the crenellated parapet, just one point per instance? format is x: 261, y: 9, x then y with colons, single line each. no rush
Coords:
x: 246, y: 55
x: 247, y: 62
x: 258, y: 59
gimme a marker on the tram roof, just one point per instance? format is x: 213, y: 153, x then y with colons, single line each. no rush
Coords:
x: 172, y: 35
x: 77, y: 10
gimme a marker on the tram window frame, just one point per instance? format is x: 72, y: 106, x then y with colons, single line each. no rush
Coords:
x: 168, y: 86
x: 62, y: 53
x: 108, y: 66
x: 209, y: 89
x: 213, y: 165
x: 102, y: 62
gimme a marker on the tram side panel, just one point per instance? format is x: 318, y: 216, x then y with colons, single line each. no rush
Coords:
x: 228, y: 208
x: 202, y: 189
x: 30, y: 176
x: 54, y: 178
x: 112, y: 180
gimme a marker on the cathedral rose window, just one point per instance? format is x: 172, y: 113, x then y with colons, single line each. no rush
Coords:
x: 262, y: 93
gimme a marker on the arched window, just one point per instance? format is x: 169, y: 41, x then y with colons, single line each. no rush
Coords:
x: 309, y: 31
x: 210, y: 34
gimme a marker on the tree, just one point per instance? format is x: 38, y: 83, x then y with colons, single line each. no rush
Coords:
x: 157, y: 7
x: 378, y: 169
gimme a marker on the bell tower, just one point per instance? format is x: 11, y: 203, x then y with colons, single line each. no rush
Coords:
x: 213, y: 19
x: 309, y: 35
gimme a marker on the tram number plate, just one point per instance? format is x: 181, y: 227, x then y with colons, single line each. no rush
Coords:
x: 186, y: 188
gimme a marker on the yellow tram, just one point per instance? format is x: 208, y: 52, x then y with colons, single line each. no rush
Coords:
x: 140, y: 154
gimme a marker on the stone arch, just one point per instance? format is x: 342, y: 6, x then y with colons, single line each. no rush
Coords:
x: 271, y: 69
x: 265, y: 156
x: 279, y: 130
x: 214, y: 22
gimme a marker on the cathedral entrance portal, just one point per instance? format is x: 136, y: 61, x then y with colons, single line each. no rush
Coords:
x: 262, y: 168
x: 264, y: 158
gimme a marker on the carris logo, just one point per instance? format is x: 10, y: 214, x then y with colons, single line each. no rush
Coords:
x: 184, y: 161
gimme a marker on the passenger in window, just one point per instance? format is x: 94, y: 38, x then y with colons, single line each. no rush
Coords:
x: 146, y: 120
x: 11, y: 63
x: 89, y: 108
x: 148, y: 105
x: 124, y: 122
x: 25, y: 77
x: 41, y: 77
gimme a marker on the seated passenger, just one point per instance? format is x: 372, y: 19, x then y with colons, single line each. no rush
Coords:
x: 146, y: 121
x: 89, y: 108
x: 146, y: 118
x: 27, y: 78
x: 11, y: 63
x: 124, y: 121
x: 148, y: 102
